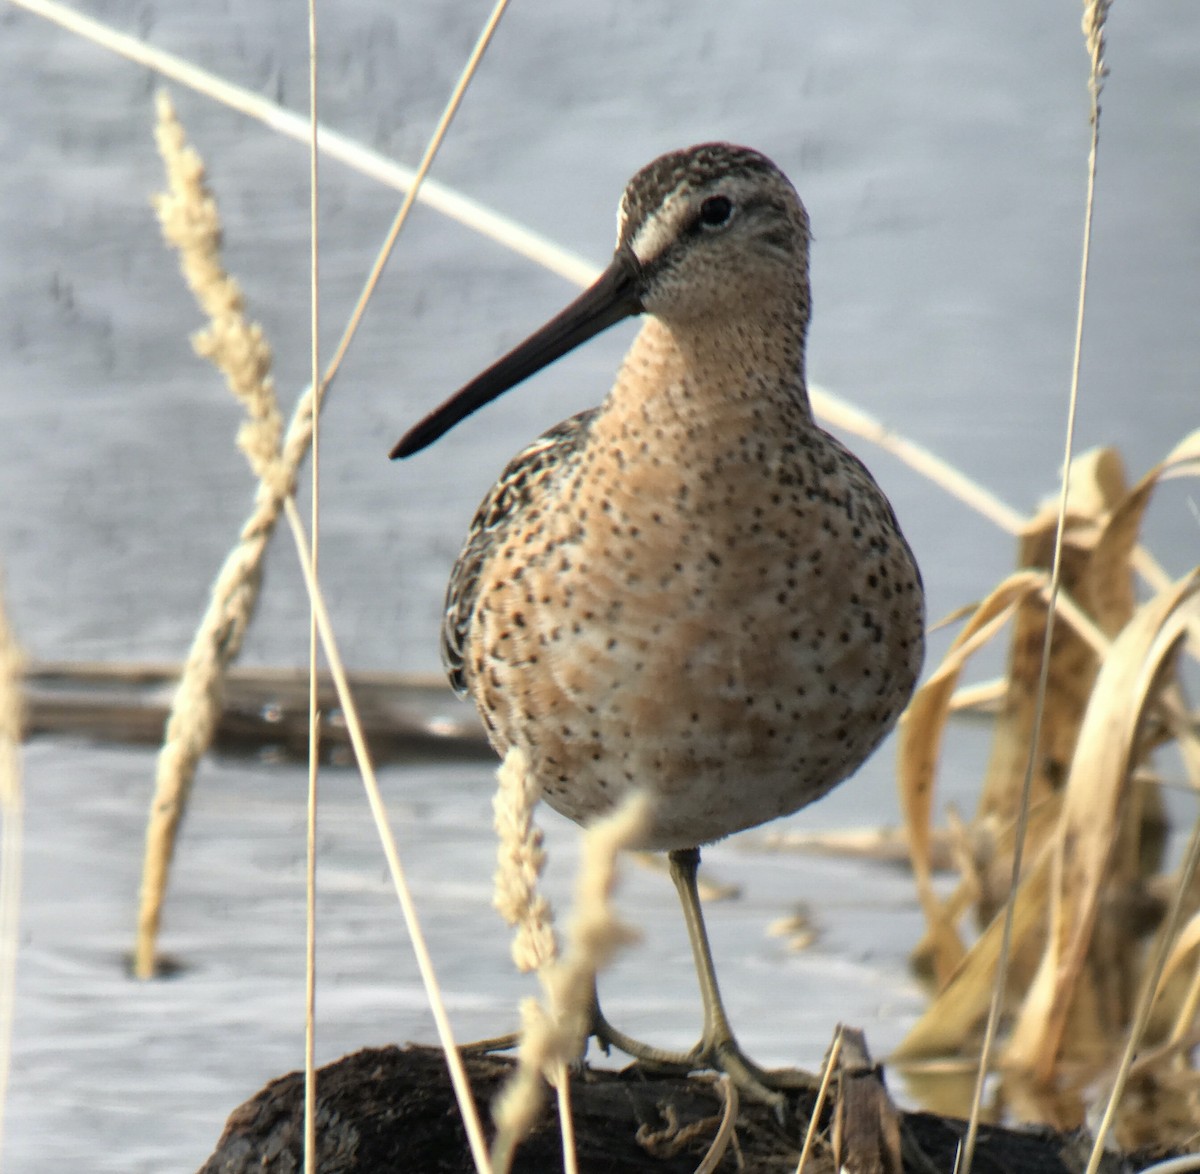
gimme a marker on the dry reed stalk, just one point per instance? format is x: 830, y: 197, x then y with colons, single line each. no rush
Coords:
x: 1097, y: 576
x: 827, y: 1070
x: 1097, y: 891
x: 951, y: 1022
x: 1068, y: 942
x: 919, y: 744
x: 1101, y: 535
x: 1111, y: 830
x: 190, y: 221
x: 1095, y: 600
x: 1157, y: 1074
x: 520, y: 860
x: 191, y: 224
x: 1183, y: 947
x: 314, y: 726
x: 1097, y: 794
x: 553, y: 1037
x: 12, y: 811
x: 1168, y: 1080
x: 354, y: 727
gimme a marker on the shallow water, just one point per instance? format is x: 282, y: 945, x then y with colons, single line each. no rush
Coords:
x: 940, y: 150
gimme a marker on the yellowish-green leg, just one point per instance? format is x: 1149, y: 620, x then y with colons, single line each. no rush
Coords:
x: 717, y: 1047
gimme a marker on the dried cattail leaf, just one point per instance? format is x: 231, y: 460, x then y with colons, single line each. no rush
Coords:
x: 1097, y: 789
x: 1182, y: 459
x: 1097, y: 579
x: 988, y: 842
x: 1096, y: 481
x: 1109, y: 596
x: 1185, y: 943
x: 920, y: 737
x: 952, y: 1019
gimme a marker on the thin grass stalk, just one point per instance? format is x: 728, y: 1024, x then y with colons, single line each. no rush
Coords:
x: 12, y: 811
x: 410, y: 198
x: 358, y: 741
x: 314, y: 725
x: 827, y: 1071
x: 310, y: 922
x: 310, y: 914
x: 566, y: 1119
x: 1095, y: 13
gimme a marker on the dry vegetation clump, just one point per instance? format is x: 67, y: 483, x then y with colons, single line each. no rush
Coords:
x: 1090, y: 927
x: 553, y: 1035
x: 190, y: 223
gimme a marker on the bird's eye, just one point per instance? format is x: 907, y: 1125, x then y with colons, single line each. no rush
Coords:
x: 715, y: 211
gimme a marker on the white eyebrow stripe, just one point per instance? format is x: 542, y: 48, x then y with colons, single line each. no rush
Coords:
x: 658, y: 231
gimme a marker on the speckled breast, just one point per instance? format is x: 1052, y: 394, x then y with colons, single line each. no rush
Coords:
x: 732, y: 626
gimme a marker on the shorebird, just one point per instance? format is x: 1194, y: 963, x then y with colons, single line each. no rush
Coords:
x: 692, y: 589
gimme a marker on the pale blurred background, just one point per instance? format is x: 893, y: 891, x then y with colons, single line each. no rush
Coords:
x: 940, y: 149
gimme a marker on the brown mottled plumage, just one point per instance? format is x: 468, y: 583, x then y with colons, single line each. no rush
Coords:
x: 692, y: 589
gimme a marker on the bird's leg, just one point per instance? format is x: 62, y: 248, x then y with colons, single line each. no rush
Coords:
x: 717, y: 1047
x: 685, y: 864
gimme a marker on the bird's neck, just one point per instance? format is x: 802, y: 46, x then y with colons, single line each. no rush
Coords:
x: 713, y: 374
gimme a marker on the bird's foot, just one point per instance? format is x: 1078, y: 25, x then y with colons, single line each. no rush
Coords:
x: 721, y: 1054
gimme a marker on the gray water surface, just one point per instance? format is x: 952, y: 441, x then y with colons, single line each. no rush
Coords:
x: 940, y: 150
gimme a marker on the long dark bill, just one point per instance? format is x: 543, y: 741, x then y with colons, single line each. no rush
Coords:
x: 615, y: 295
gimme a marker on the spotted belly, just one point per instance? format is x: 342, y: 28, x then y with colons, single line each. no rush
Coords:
x: 734, y: 685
